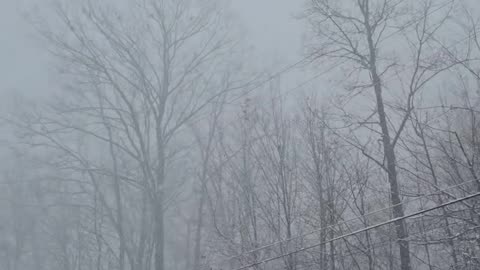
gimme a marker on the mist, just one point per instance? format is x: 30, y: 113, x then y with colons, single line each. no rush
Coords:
x: 231, y: 135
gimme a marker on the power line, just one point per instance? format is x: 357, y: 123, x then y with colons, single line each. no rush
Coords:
x: 439, y: 192
x: 273, y: 76
x: 409, y: 238
x: 295, y: 64
x: 361, y: 230
x: 291, y: 66
x: 421, y: 18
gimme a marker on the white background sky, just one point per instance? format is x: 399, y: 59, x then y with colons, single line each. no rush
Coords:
x: 25, y: 66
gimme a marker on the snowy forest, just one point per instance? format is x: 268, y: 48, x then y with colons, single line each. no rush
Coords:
x: 166, y: 145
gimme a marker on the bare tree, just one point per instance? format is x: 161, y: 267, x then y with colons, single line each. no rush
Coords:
x: 358, y: 31
x: 277, y: 158
x: 324, y: 170
x: 141, y: 70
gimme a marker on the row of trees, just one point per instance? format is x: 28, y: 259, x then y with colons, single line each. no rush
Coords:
x: 162, y: 152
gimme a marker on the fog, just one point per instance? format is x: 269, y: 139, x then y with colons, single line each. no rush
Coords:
x: 229, y: 135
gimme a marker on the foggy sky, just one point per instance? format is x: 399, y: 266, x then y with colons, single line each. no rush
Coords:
x: 25, y: 66
x: 28, y: 70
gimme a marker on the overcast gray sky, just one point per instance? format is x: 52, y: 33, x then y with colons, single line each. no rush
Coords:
x: 26, y: 67
x: 23, y: 65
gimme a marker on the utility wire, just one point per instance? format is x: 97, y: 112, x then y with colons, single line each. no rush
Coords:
x: 292, y: 66
x: 383, y: 243
x: 361, y: 230
x: 439, y: 192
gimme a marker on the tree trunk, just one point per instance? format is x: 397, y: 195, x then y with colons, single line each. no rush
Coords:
x: 188, y: 263
x: 159, y: 233
x: 198, y: 234
x: 390, y: 157
x: 389, y: 151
